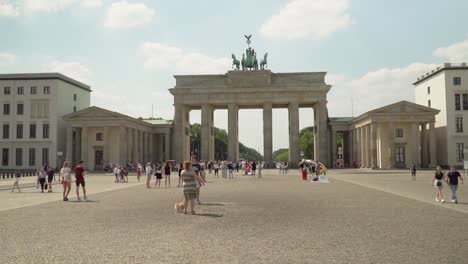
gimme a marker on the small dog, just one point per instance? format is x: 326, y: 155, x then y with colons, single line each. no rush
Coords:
x: 179, y: 207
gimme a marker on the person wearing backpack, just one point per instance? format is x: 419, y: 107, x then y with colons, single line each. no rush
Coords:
x: 79, y: 180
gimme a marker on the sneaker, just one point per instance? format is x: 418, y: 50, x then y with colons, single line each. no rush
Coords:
x: 49, y: 191
x: 86, y: 198
x: 65, y: 199
x: 453, y: 201
x: 442, y: 201
x: 79, y: 199
x: 437, y: 200
x: 456, y: 201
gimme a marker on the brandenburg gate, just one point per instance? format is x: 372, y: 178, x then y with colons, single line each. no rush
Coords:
x: 257, y: 89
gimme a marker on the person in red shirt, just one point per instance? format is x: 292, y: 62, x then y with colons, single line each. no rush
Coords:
x: 79, y: 179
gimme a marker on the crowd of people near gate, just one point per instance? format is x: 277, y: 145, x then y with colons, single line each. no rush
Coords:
x: 192, y: 176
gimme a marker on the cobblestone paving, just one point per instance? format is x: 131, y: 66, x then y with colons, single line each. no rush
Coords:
x: 277, y: 219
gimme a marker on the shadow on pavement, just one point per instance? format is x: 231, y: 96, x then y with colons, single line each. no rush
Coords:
x: 89, y: 201
x: 209, y: 215
x: 212, y: 204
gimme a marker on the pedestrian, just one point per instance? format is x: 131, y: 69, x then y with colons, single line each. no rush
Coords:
x: 181, y: 168
x: 79, y: 180
x: 199, y: 183
x: 260, y: 167
x: 452, y: 178
x: 65, y: 173
x: 231, y: 170
x: 138, y: 174
x: 303, y: 167
x: 437, y: 181
x: 116, y: 173
x: 125, y: 173
x: 224, y: 169
x: 254, y: 168
x: 50, y: 177
x: 41, y: 175
x: 16, y: 182
x: 413, y: 171
x: 190, y: 179
x: 158, y: 174
x: 149, y: 171
x: 216, y: 169
x: 167, y: 174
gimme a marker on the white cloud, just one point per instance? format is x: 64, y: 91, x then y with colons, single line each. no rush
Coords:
x: 71, y: 69
x: 7, y: 9
x: 122, y: 15
x: 375, y: 89
x: 457, y: 52
x: 7, y: 59
x: 164, y: 57
x: 57, y: 5
x: 316, y: 19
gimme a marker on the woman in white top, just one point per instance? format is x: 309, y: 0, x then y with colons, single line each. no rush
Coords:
x: 149, y: 171
x: 66, y: 179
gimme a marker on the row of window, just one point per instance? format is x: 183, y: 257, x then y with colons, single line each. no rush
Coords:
x: 460, y: 155
x: 19, y: 131
x: 19, y: 156
x: 19, y: 109
x: 39, y: 109
x: 32, y: 90
x: 458, y: 103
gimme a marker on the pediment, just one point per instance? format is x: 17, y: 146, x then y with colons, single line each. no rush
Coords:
x: 94, y: 112
x: 404, y: 107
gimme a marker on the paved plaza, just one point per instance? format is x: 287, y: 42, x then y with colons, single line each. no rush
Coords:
x: 361, y: 216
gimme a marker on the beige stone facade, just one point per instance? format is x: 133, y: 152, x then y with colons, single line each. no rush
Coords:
x: 99, y: 136
x: 393, y: 136
x: 249, y: 90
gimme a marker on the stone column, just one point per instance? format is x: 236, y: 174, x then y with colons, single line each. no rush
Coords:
x: 432, y: 146
x: 414, y: 145
x: 363, y: 147
x: 322, y: 146
x: 122, y: 145
x: 167, y: 140
x: 128, y: 152
x: 207, y: 135
x: 268, y: 132
x: 140, y: 146
x: 294, y: 152
x: 373, y: 145
x: 106, y: 150
x: 367, y: 145
x: 181, y: 139
x: 134, y: 145
x: 147, y: 147
x: 351, y: 146
x: 69, y: 146
x: 151, y: 147
x: 84, y: 145
x: 424, y: 144
x: 334, y: 147
x: 233, y: 132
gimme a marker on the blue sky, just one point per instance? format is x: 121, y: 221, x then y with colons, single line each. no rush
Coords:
x: 128, y: 51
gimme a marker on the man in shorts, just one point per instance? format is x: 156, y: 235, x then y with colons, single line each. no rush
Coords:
x: 79, y: 179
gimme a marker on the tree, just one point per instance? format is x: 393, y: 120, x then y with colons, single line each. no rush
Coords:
x: 307, y: 142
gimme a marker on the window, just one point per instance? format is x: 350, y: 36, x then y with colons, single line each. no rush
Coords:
x: 456, y: 80
x: 429, y: 103
x: 20, y: 109
x: 399, y: 154
x: 32, y: 157
x: 74, y: 97
x: 99, y: 137
x: 460, y: 155
x: 19, y: 157
x: 45, y: 156
x: 5, y: 154
x: 6, y: 131
x: 465, y: 101
x: 20, y: 90
x: 32, y: 130
x: 19, y: 130
x: 459, y: 124
x: 6, y: 109
x: 6, y: 90
x: 457, y: 102
x: 74, y: 109
x: 33, y: 90
x: 399, y: 133
x: 428, y: 90
x: 46, y: 90
x: 45, y: 131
